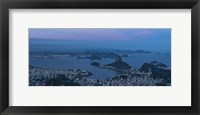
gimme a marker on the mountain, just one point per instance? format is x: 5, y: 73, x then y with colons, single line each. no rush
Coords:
x: 119, y: 64
x: 142, y: 51
x: 157, y: 64
x: 158, y: 70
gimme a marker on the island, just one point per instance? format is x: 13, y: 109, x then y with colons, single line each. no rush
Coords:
x: 150, y: 74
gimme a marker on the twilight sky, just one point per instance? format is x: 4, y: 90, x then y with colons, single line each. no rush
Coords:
x: 124, y: 38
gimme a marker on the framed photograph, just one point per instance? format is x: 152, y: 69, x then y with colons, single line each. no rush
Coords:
x: 99, y: 57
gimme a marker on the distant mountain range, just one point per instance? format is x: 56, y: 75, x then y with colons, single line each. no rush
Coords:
x: 91, y: 51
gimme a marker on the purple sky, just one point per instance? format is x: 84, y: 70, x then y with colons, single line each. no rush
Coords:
x: 95, y: 34
x: 129, y: 38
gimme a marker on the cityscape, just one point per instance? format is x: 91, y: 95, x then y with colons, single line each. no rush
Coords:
x: 99, y: 57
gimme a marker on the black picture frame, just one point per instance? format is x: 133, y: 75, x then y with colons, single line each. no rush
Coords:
x: 5, y: 5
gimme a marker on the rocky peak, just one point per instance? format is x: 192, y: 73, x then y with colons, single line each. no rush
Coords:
x: 119, y: 64
x: 118, y: 59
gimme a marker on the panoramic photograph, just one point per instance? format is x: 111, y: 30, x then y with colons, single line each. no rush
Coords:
x: 99, y: 56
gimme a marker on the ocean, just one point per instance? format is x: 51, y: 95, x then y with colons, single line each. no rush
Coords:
x: 61, y: 62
